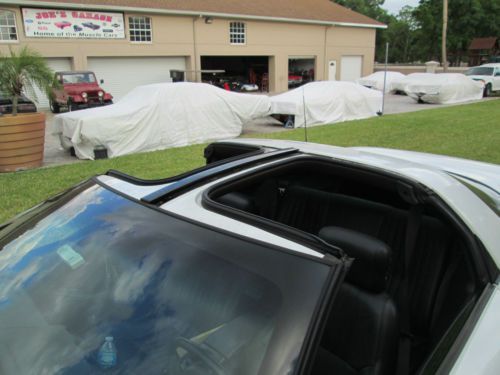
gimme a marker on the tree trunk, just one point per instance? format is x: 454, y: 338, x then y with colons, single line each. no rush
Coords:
x: 443, y: 39
x: 15, y: 100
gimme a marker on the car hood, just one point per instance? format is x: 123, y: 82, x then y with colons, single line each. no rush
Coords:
x: 79, y: 88
x: 477, y: 77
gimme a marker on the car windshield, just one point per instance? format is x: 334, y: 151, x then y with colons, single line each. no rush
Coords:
x: 78, y: 78
x: 98, y: 283
x: 479, y: 71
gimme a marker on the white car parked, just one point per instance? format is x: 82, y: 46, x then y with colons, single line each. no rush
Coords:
x: 376, y: 81
x: 443, y: 88
x: 488, y: 74
x: 276, y: 258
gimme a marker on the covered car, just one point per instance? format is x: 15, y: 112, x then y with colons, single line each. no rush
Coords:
x: 159, y: 116
x: 326, y: 102
x: 276, y: 258
x: 399, y: 84
x: 376, y: 81
x: 444, y: 88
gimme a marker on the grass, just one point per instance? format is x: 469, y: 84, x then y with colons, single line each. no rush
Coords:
x: 470, y: 131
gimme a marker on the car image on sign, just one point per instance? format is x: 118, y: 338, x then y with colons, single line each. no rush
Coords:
x: 91, y: 25
x: 276, y: 258
x: 62, y: 24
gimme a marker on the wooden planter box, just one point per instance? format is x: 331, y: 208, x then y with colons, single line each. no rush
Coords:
x: 22, y: 140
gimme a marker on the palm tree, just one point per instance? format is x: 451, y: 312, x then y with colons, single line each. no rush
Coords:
x: 22, y: 71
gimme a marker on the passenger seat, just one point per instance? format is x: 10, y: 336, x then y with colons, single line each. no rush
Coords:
x: 361, y: 335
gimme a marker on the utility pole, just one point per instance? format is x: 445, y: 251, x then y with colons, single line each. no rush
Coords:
x: 444, y: 60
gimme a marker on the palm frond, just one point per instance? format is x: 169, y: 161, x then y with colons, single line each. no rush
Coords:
x: 23, y: 70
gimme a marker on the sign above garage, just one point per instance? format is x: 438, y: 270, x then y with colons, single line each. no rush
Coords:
x: 58, y: 23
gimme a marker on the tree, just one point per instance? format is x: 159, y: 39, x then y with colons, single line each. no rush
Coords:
x: 373, y: 9
x: 21, y: 71
x: 467, y: 19
x: 400, y: 35
x: 370, y: 8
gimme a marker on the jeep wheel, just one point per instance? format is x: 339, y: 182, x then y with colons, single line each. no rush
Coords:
x: 54, y: 107
x: 487, y: 91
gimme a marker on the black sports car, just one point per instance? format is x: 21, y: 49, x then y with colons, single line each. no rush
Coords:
x: 91, y: 25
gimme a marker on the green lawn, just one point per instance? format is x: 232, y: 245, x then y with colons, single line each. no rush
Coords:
x: 470, y: 131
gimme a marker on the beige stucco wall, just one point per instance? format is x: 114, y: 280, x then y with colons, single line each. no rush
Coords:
x: 351, y: 41
x: 192, y: 38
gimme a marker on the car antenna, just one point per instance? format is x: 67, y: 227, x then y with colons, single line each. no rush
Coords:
x: 381, y: 112
x: 304, y: 107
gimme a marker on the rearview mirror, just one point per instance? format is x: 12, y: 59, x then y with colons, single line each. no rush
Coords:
x: 102, y: 81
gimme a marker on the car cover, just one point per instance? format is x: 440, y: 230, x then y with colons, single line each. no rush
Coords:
x: 327, y: 102
x: 376, y: 81
x: 159, y: 116
x: 399, y: 84
x: 444, y: 88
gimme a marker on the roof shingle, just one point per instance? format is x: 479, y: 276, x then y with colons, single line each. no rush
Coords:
x: 483, y: 43
x: 314, y: 10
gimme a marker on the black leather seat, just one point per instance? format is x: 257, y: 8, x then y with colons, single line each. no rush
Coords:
x: 361, y: 335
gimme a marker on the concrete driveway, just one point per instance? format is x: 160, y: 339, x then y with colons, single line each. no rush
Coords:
x: 55, y: 155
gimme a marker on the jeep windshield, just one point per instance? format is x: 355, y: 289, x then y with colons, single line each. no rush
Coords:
x: 70, y: 78
x: 479, y: 71
x: 96, y: 282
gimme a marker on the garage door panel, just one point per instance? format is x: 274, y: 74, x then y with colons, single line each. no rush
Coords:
x: 122, y: 74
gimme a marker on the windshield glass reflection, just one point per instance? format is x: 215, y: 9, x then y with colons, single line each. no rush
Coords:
x: 105, y: 284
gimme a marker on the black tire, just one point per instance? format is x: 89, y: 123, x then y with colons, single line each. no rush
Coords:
x: 487, y: 90
x: 54, y: 107
x: 108, y: 102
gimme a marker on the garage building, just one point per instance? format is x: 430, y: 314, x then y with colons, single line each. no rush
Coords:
x: 275, y: 44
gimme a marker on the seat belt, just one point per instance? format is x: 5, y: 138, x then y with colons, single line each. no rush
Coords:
x: 412, y: 229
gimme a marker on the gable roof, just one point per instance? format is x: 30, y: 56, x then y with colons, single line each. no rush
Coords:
x: 304, y: 11
x: 483, y: 43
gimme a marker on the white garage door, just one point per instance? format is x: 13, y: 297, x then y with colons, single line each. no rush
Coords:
x: 351, y: 68
x: 57, y: 65
x: 122, y: 74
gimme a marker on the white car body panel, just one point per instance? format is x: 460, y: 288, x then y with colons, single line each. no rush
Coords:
x: 481, y: 354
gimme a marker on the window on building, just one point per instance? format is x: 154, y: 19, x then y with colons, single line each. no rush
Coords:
x: 140, y: 29
x: 237, y: 33
x: 8, y: 31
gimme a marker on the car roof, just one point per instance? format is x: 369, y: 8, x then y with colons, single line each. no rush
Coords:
x: 490, y: 65
x: 433, y: 171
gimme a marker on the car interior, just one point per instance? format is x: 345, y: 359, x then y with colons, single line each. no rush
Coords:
x: 412, y: 282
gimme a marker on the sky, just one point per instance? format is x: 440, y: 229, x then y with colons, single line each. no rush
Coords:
x: 393, y: 6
